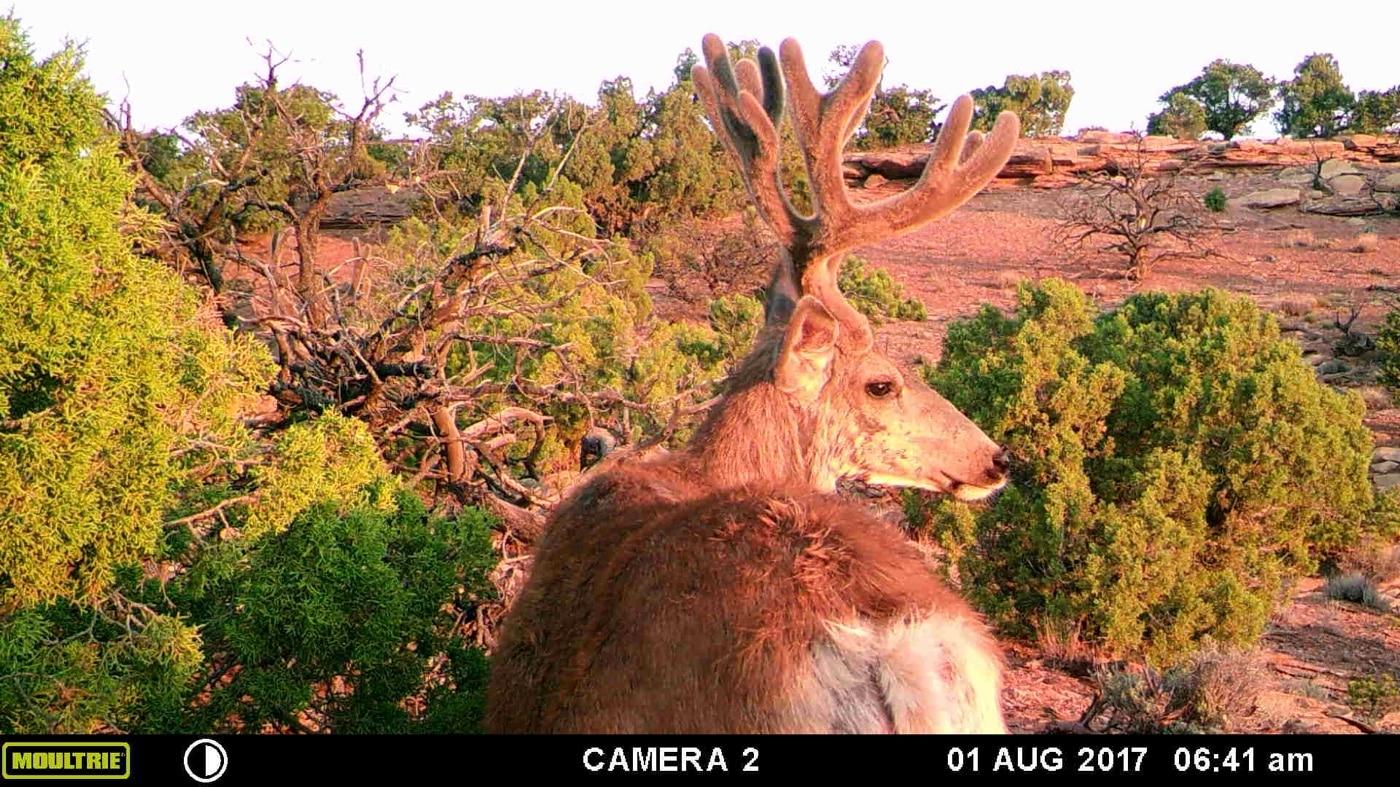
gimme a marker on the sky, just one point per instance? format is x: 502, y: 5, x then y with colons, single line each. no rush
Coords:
x: 170, y: 58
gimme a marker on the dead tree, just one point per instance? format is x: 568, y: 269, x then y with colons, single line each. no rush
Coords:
x: 1133, y: 210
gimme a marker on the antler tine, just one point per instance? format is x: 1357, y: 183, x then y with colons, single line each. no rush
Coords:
x: 959, y: 166
x: 824, y: 123
x: 971, y: 145
x: 745, y: 106
x: 749, y: 80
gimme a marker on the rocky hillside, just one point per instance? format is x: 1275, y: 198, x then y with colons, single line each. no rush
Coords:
x: 1347, y: 176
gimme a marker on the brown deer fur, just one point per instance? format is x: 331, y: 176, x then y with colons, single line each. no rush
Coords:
x: 723, y: 588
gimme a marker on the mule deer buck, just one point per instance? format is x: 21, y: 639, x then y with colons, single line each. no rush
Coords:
x: 724, y: 588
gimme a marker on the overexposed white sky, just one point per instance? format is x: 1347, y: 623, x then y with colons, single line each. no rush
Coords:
x: 170, y: 58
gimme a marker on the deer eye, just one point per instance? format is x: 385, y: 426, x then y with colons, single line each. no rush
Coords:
x: 880, y: 388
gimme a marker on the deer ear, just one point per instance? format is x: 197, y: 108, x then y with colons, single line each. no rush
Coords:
x: 808, y: 347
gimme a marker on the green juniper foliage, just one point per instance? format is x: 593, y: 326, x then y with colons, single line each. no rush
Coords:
x: 166, y: 568
x: 106, y: 368
x: 898, y: 115
x: 876, y: 294
x: 1215, y: 200
x: 1316, y: 103
x: 1183, y: 117
x: 1229, y: 95
x: 338, y: 619
x: 1180, y: 466
x: 1388, y: 342
x: 1040, y: 100
x: 162, y: 569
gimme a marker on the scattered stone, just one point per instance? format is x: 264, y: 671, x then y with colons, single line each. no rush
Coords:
x: 1389, y: 481
x: 1271, y: 198
x: 1343, y: 206
x: 1028, y: 165
x: 1099, y: 135
x: 1301, y: 176
x: 1154, y: 142
x: 1386, y: 454
x: 1333, y: 167
x: 1388, y: 182
x: 1381, y: 468
x: 1360, y: 141
x: 370, y: 206
x: 1347, y: 185
x: 875, y: 181
x: 892, y: 164
x: 1312, y: 148
x: 1333, y: 366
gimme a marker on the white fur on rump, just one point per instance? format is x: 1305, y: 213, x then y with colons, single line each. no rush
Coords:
x: 933, y: 674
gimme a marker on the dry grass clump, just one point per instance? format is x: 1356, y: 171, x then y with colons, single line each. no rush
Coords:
x: 1298, y: 306
x: 1207, y: 694
x: 1366, y: 243
x: 1362, y: 571
x: 1376, y: 397
x: 1374, y: 559
x: 1008, y: 280
x: 1061, y: 647
x: 1299, y: 239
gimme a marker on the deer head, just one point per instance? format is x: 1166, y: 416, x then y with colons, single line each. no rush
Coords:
x: 815, y: 389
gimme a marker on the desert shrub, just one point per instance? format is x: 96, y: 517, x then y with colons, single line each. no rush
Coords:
x: 1215, y: 200
x: 558, y: 323
x: 639, y: 161
x: 294, y: 611
x: 733, y: 323
x: 335, y: 622
x: 1388, y: 343
x: 1374, y: 697
x: 1356, y: 576
x: 899, y: 115
x: 1302, y: 239
x: 1375, y: 112
x: 1205, y: 695
x: 1356, y: 588
x: 331, y: 459
x: 1180, y: 466
x: 69, y: 670
x: 700, y: 260
x: 876, y: 294
x: 1376, y: 558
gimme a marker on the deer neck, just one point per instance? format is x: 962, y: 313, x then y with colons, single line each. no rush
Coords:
x: 756, y: 436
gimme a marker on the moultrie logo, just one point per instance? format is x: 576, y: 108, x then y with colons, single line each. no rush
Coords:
x: 63, y: 760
